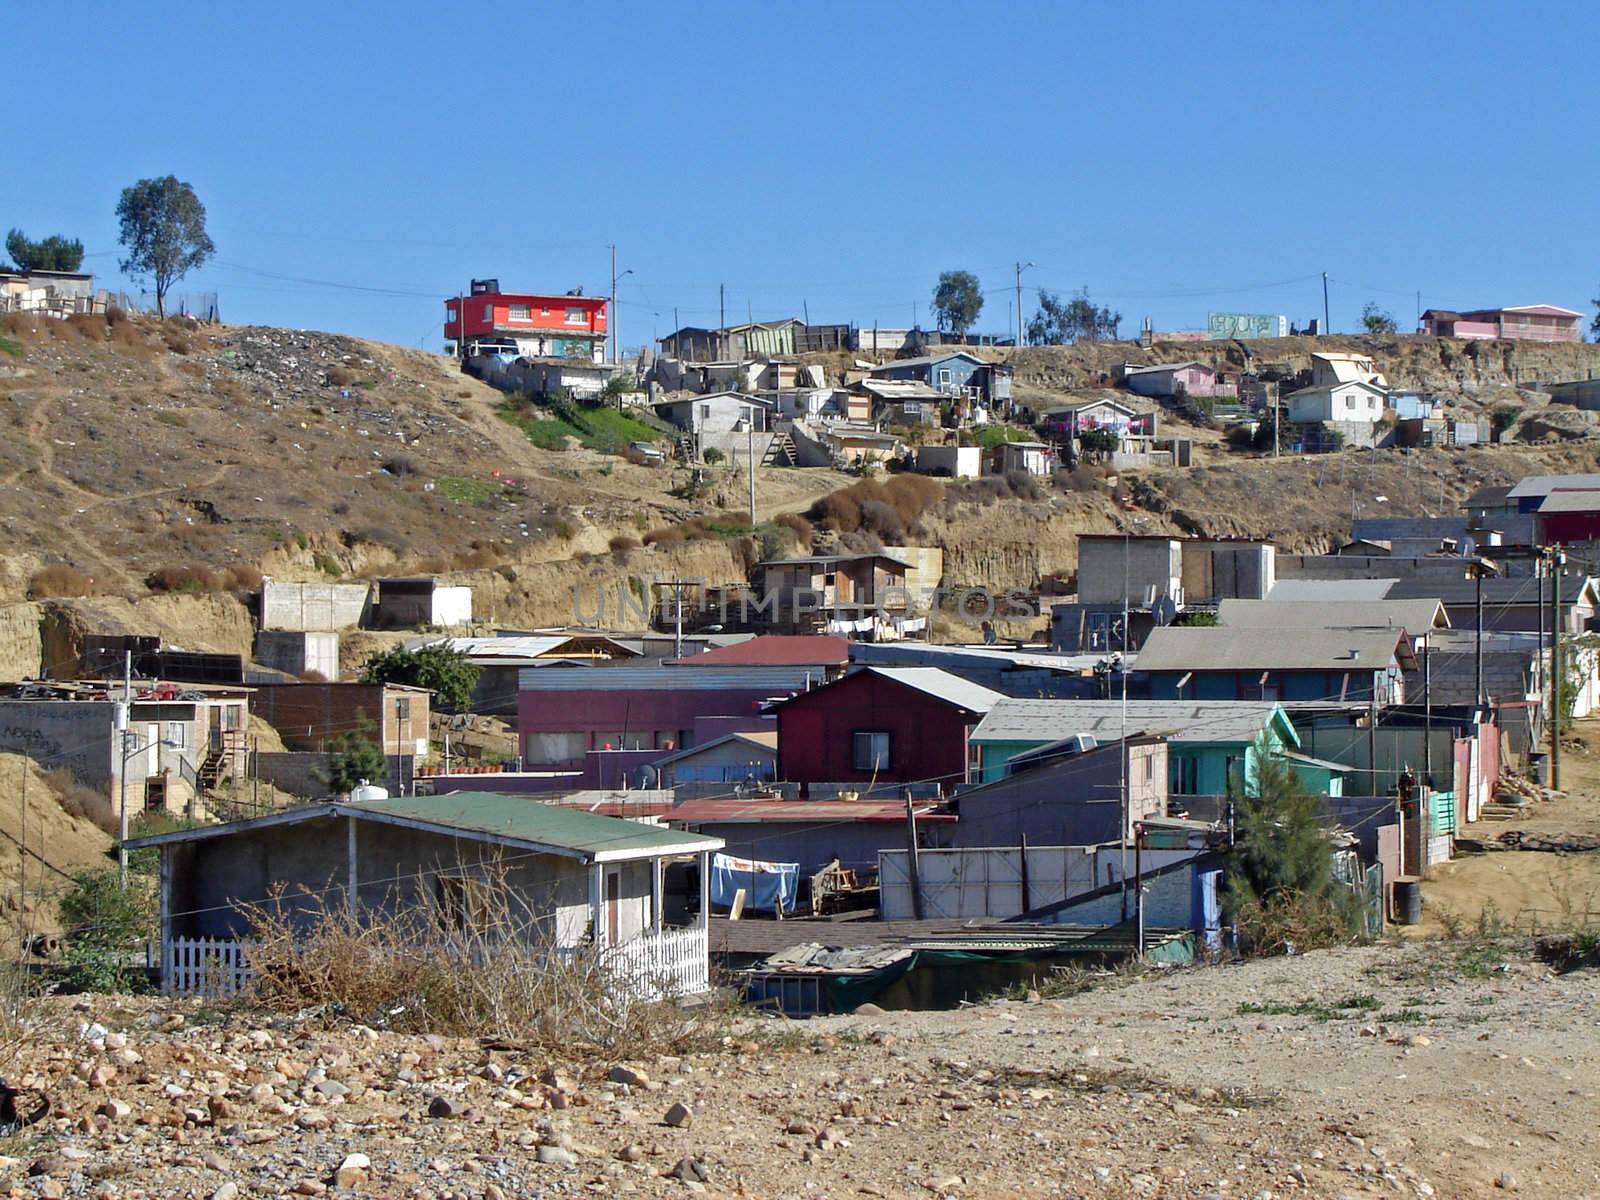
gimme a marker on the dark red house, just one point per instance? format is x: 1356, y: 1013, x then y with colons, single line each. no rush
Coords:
x: 1568, y: 515
x: 881, y: 726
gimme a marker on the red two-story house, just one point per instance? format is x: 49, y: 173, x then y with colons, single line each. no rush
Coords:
x: 881, y: 728
x: 527, y: 324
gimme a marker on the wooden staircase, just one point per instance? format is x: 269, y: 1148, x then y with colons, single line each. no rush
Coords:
x: 781, y: 451
x: 212, y: 769
x: 685, y: 447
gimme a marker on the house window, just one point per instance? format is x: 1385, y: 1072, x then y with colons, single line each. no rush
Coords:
x: 450, y: 312
x: 576, y: 316
x: 488, y: 313
x: 521, y: 312
x: 944, y: 377
x: 402, y: 709
x: 869, y: 750
x: 545, y: 311
x: 1186, y: 775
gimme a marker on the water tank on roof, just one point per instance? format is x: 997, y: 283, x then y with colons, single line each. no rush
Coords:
x: 367, y: 791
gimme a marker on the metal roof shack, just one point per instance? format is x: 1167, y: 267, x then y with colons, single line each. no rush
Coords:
x: 1220, y: 648
x: 512, y: 822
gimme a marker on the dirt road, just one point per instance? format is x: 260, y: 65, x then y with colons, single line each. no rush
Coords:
x: 1417, y: 1069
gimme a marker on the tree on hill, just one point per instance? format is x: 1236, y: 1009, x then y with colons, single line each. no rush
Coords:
x: 54, y: 253
x: 1376, y: 320
x: 164, y: 230
x: 1594, y: 325
x: 957, y: 301
x: 448, y: 673
x: 1079, y: 319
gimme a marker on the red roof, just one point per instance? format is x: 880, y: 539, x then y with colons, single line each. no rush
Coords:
x: 776, y: 650
x: 717, y: 811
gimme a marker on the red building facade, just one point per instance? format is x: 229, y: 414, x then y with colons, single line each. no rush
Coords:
x: 881, y: 725
x: 540, y: 326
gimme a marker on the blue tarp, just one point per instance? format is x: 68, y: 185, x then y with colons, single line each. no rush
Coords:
x: 764, y: 883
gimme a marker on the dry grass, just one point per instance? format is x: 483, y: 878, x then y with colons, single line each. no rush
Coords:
x: 59, y: 580
x: 424, y: 967
x: 890, y: 510
x: 80, y: 800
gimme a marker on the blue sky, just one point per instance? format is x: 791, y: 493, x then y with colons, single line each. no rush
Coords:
x: 1172, y: 157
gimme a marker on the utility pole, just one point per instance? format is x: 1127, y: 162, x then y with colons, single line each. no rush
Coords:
x: 1021, y: 267
x: 612, y: 308
x: 124, y: 712
x: 1122, y: 753
x: 912, y: 859
x: 750, y: 462
x: 1326, y: 322
x: 722, y: 321
x: 1477, y: 666
x: 1556, y: 561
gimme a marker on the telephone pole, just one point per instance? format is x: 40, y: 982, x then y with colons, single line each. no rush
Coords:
x: 1327, y: 325
x: 1021, y: 267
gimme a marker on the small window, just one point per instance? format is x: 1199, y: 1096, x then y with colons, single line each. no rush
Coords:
x: 402, y: 709
x: 488, y: 313
x: 521, y: 312
x: 545, y: 311
x: 577, y: 316
x: 869, y: 751
x: 450, y: 312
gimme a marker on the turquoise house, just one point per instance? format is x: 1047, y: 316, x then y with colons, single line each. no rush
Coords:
x: 1209, y: 742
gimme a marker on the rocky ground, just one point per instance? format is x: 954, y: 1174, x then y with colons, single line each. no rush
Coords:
x: 1421, y: 1069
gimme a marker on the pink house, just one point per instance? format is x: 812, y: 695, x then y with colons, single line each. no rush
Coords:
x: 1528, y: 322
x: 1173, y: 379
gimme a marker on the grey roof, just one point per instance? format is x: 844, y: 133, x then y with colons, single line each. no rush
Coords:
x: 1571, y: 500
x: 1330, y: 590
x: 1013, y: 720
x: 815, y: 559
x: 506, y: 820
x: 925, y: 360
x: 1191, y: 648
x: 1543, y: 485
x: 958, y: 691
x: 1498, y: 590
x: 1151, y: 369
x: 1414, y: 616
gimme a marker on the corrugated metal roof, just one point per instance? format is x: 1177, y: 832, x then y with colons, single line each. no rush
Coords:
x: 1498, y: 590
x: 1223, y: 649
x: 762, y: 739
x: 1414, y: 616
x: 1329, y: 590
x: 1571, y: 500
x: 1182, y: 366
x: 1543, y: 485
x: 926, y: 360
x: 719, y: 811
x: 478, y: 648
x: 1014, y: 720
x: 659, y: 678
x: 942, y: 684
x: 776, y: 650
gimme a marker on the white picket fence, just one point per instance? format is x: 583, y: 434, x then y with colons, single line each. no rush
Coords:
x: 670, y: 963
x: 209, y: 967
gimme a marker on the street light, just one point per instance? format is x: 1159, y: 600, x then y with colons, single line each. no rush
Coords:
x: 130, y: 747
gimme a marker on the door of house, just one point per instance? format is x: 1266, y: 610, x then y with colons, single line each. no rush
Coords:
x: 613, y: 905
x: 214, y: 727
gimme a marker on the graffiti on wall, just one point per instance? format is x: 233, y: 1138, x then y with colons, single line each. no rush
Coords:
x: 1223, y: 325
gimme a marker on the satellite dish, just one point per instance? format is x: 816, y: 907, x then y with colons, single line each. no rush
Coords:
x: 1164, y: 611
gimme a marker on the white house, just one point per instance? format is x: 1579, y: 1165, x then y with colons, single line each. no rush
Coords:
x: 1353, y: 402
x: 1329, y: 368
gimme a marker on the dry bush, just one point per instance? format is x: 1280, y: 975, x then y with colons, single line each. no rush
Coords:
x: 340, y: 377
x: 401, y: 464
x: 17, y: 323
x: 797, y: 525
x: 480, y: 557
x: 431, y: 564
x: 622, y: 543
x: 565, y: 530
x: 78, y: 799
x: 242, y: 578
x: 312, y: 677
x: 176, y: 341
x: 419, y: 967
x: 59, y: 580
x: 192, y: 579
x: 86, y: 326
x: 116, y: 314
x: 870, y: 504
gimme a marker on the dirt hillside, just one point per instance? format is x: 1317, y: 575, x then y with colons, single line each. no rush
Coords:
x: 61, y: 839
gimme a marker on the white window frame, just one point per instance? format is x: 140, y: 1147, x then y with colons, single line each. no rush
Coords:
x: 577, y: 316
x: 519, y: 312
x: 876, y: 760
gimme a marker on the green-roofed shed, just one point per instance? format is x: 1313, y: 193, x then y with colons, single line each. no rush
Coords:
x: 578, y: 878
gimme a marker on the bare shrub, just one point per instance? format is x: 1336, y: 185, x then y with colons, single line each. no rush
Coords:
x: 622, y: 543
x: 59, y: 580
x: 185, y: 580
x: 797, y: 525
x: 340, y: 377
x: 78, y: 799
x: 881, y: 519
x: 401, y: 464
x: 666, y: 535
x: 175, y: 341
x: 907, y: 496
x: 480, y: 558
x: 565, y: 530
x: 483, y: 964
x: 87, y: 326
x: 242, y: 578
x: 431, y: 564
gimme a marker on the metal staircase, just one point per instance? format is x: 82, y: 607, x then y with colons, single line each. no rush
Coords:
x: 781, y: 451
